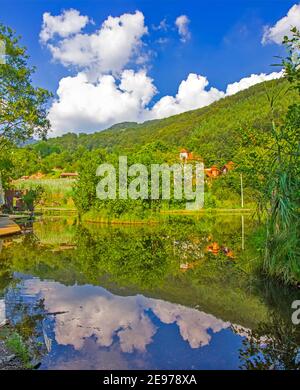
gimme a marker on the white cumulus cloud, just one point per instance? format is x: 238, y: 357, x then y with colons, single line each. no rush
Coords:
x: 283, y: 26
x: 69, y: 22
x: 192, y: 94
x: 86, y: 106
x: 182, y: 23
x: 107, y: 50
x: 104, y: 92
x: 247, y: 82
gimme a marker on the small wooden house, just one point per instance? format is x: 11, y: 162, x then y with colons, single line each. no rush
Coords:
x: 14, y: 201
x: 213, y: 248
x: 214, y: 171
x: 227, y: 167
x: 69, y: 175
x: 185, y: 156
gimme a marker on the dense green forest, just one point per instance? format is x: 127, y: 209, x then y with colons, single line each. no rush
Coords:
x: 214, y: 132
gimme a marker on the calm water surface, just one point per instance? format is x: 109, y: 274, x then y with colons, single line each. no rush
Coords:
x: 176, y: 296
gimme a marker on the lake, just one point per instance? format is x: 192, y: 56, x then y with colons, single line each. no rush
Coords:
x: 179, y: 295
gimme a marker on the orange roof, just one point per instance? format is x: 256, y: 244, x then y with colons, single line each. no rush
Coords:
x: 229, y: 165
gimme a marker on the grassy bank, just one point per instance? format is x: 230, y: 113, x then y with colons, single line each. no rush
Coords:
x: 15, y: 350
x: 146, y: 218
x: 164, y: 216
x: 57, y: 192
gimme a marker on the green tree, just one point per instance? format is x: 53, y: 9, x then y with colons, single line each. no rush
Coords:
x: 23, y: 112
x: 32, y: 196
x: 84, y: 194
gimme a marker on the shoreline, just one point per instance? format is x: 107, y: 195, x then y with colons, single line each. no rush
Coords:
x: 8, y: 226
x: 11, y: 227
x: 162, y: 216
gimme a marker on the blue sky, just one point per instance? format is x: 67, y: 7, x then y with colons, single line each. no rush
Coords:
x: 223, y: 43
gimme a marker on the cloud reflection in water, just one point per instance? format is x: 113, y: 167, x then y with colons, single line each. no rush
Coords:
x: 93, y: 311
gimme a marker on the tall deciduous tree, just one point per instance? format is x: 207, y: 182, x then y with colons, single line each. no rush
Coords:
x: 23, y: 108
x: 23, y: 111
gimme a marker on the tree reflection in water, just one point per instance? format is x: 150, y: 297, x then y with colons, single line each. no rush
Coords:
x: 272, y: 346
x: 147, y: 261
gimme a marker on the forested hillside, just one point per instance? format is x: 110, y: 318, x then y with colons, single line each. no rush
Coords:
x: 213, y: 131
x: 236, y: 128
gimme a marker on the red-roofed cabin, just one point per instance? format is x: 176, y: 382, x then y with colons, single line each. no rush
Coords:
x: 185, y: 155
x: 213, y: 171
x: 227, y: 167
x: 213, y: 248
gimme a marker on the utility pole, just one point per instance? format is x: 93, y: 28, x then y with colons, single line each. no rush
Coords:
x: 243, y: 233
x: 242, y: 192
x: 242, y: 204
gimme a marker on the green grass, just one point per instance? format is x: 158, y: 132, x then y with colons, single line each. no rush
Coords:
x: 57, y: 192
x: 126, y: 218
x: 51, y: 186
x: 16, y: 344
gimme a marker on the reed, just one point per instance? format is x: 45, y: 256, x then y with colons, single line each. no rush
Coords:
x: 282, y: 251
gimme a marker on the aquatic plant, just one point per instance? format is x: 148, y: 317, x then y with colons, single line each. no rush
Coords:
x: 17, y: 345
x: 282, y: 252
